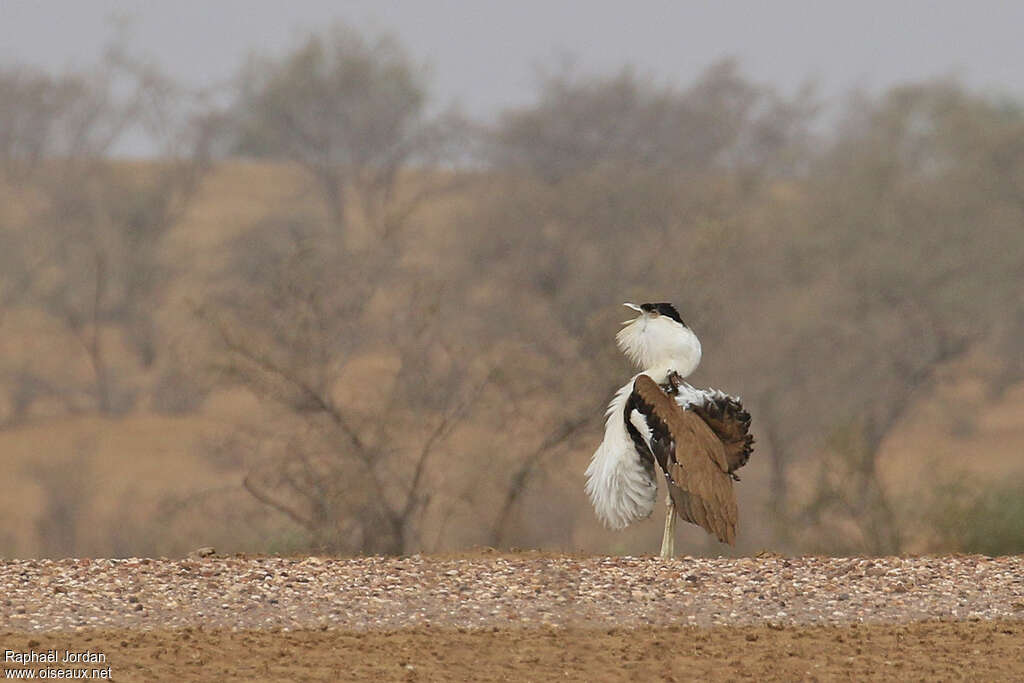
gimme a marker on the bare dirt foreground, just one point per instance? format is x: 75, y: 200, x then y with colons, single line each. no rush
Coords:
x: 518, y: 617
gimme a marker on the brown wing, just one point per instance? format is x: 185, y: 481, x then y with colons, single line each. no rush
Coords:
x: 731, y: 424
x: 693, y: 459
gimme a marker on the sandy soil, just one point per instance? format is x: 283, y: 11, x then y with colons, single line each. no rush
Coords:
x: 516, y: 617
x: 988, y: 651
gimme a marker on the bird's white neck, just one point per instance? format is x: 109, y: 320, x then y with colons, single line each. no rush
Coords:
x: 660, y: 345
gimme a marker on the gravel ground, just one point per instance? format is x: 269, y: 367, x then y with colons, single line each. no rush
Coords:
x: 493, y: 590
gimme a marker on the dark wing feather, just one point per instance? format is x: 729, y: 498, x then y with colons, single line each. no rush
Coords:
x: 693, y: 459
x: 731, y: 424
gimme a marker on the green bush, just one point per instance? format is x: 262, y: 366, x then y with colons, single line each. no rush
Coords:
x: 986, y: 519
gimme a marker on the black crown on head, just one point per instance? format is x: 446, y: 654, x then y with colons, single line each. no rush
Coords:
x: 663, y: 308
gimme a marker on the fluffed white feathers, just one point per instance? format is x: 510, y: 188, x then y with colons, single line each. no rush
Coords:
x: 620, y: 487
x: 655, y: 341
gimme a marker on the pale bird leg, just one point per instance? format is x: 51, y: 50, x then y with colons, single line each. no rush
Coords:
x: 668, y: 541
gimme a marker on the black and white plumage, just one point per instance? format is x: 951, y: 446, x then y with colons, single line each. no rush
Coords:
x: 696, y: 437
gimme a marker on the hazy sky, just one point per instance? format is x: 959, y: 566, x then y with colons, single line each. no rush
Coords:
x: 483, y: 54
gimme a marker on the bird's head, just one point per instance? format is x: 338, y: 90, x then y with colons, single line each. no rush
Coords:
x: 658, y: 338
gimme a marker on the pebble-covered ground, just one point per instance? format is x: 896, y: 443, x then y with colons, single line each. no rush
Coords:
x: 493, y: 590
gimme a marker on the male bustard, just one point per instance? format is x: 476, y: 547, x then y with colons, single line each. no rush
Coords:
x: 697, y: 437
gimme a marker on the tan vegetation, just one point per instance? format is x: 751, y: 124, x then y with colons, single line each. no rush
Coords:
x: 393, y: 332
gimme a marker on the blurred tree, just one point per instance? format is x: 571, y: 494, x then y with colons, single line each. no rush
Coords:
x: 88, y: 231
x: 46, y: 117
x: 351, y: 111
x: 721, y: 121
x: 358, y: 368
x: 914, y: 258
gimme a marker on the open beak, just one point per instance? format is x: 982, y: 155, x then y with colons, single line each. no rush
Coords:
x: 635, y: 308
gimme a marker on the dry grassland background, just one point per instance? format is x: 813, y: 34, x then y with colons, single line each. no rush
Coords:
x: 333, y: 320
